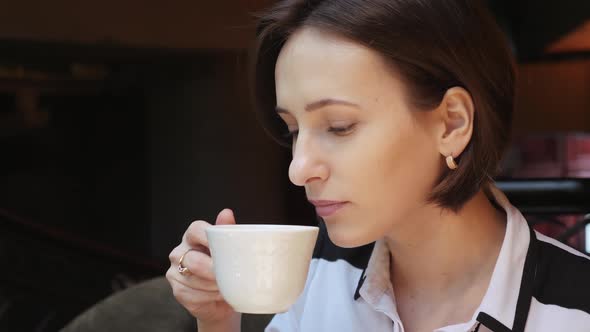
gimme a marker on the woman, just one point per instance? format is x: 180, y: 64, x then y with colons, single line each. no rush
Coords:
x: 398, y: 112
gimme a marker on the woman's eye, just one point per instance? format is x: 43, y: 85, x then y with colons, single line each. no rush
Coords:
x: 341, y: 130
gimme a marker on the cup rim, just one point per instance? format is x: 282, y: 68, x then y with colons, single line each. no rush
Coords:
x: 261, y: 228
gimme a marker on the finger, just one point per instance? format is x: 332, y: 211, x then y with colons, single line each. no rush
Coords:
x: 199, y: 264
x: 195, y: 235
x: 191, y: 281
x: 201, y: 303
x: 187, y: 295
x: 200, y: 283
x: 176, y: 254
x: 225, y: 217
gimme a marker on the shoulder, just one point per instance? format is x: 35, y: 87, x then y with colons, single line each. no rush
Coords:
x: 562, y: 276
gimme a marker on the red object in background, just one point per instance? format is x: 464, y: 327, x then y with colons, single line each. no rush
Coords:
x: 549, y: 156
x: 554, y: 230
x: 557, y: 155
x: 539, y: 156
x: 577, y: 148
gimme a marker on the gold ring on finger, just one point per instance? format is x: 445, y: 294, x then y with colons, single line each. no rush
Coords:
x: 183, y: 270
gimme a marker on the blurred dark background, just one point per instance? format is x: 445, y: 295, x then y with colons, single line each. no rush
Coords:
x: 121, y: 122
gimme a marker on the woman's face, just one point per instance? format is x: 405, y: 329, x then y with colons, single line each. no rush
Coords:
x: 357, y: 139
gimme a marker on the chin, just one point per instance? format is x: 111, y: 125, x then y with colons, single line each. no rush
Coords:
x: 347, y: 238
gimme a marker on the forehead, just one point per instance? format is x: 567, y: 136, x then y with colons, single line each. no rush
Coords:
x: 314, y: 64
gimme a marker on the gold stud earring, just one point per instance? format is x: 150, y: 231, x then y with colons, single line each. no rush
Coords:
x: 451, y: 162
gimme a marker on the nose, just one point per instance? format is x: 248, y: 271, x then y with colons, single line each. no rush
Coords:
x: 307, y: 164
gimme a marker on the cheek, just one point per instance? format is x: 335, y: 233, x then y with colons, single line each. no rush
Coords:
x: 398, y: 170
x: 386, y: 176
x: 417, y: 167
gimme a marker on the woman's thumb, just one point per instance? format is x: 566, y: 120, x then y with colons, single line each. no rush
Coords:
x: 225, y: 217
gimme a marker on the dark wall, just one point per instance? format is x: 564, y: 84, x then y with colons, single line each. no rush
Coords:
x: 176, y: 24
x: 83, y: 172
x: 159, y: 144
x: 534, y: 24
x: 207, y: 152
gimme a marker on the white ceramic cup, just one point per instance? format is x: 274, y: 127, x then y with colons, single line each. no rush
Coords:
x: 261, y: 269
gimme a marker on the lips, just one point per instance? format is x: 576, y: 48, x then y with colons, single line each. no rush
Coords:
x: 326, y: 208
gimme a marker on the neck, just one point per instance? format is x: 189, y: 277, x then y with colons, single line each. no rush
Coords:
x: 442, y: 254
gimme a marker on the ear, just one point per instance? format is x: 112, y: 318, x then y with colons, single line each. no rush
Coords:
x: 456, y: 115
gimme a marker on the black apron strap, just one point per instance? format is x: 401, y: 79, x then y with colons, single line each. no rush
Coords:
x: 527, y: 285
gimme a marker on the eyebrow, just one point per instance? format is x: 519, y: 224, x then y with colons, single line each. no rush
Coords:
x: 319, y: 104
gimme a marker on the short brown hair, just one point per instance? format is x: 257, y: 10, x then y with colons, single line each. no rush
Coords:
x: 434, y: 45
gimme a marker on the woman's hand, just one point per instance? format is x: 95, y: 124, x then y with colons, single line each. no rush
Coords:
x: 196, y: 288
